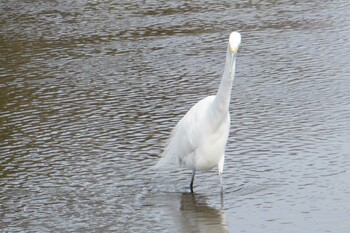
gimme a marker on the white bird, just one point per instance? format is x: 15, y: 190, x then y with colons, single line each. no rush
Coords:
x: 199, y: 139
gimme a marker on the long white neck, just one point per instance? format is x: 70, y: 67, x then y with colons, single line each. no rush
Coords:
x: 223, y: 96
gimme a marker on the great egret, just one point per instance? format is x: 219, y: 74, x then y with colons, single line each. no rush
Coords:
x: 199, y: 139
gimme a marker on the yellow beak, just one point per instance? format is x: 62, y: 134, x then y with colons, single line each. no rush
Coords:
x: 234, y: 49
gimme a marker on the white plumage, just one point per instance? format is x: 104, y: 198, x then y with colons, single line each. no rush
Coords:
x: 199, y: 139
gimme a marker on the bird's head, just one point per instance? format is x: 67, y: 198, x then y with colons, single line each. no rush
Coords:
x: 234, y: 42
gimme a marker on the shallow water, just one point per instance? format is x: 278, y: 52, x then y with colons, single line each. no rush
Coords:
x: 89, y: 91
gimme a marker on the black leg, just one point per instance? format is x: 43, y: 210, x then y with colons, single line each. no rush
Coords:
x: 191, y: 186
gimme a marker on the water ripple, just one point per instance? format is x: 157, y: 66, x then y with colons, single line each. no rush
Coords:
x: 89, y: 91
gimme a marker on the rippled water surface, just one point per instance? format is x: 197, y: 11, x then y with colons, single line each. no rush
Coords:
x: 89, y: 91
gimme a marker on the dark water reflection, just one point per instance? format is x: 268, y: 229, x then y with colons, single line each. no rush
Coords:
x: 89, y: 91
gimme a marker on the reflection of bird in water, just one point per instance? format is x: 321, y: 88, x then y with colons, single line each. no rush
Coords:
x: 199, y: 139
x: 197, y: 216
x: 185, y: 212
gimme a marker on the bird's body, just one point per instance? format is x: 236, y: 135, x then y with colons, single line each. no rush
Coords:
x: 199, y: 139
x: 203, y: 143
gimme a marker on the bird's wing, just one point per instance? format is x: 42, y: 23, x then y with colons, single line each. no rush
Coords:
x: 186, y: 135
